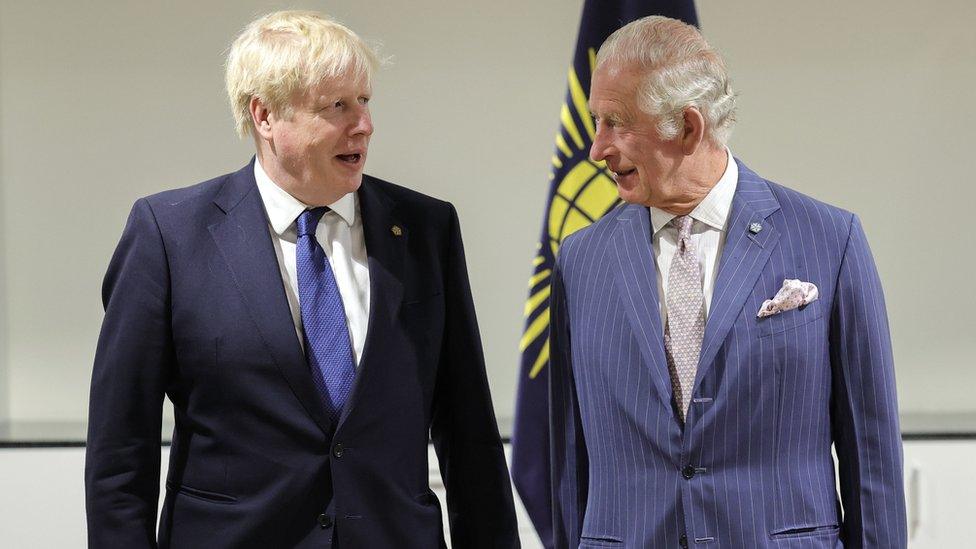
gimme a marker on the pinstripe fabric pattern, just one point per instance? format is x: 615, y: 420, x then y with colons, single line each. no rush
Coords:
x: 770, y: 397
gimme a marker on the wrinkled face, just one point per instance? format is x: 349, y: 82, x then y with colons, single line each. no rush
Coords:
x: 323, y: 144
x: 644, y: 166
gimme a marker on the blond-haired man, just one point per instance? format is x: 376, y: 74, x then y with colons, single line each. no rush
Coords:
x: 313, y: 327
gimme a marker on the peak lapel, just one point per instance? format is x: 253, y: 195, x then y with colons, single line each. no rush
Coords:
x: 743, y: 258
x: 636, y: 279
x: 386, y: 241
x: 244, y: 241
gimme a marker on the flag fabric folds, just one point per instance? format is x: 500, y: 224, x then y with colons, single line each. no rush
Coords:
x: 580, y: 192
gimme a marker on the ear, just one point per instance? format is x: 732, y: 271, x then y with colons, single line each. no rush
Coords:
x: 261, y: 118
x: 693, y: 132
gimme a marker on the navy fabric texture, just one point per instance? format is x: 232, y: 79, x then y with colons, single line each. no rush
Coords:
x: 196, y: 311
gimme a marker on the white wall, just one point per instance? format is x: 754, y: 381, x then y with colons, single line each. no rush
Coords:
x: 865, y: 105
x: 4, y: 390
x: 103, y: 102
x: 44, y: 483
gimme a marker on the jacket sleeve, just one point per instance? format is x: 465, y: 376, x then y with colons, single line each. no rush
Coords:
x: 463, y: 427
x: 570, y: 464
x: 864, y: 404
x: 133, y: 361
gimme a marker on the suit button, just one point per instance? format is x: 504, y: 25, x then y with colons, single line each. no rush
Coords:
x: 325, y: 521
x: 688, y: 472
x: 683, y: 541
x: 337, y: 450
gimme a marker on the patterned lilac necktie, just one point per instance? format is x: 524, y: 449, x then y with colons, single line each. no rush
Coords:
x: 685, y: 326
x: 327, y: 345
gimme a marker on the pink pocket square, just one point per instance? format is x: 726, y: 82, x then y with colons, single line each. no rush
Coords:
x: 793, y: 294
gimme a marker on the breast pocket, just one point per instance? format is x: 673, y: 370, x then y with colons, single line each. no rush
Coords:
x: 421, y: 296
x: 423, y: 318
x: 789, y: 320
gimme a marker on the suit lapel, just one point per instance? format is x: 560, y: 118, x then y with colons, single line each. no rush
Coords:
x: 636, y: 279
x: 743, y: 258
x: 385, y: 247
x: 244, y: 241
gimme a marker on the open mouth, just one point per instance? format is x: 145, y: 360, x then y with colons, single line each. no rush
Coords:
x: 625, y: 173
x: 350, y: 158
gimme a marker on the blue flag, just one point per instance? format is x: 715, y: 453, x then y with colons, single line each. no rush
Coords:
x: 580, y: 192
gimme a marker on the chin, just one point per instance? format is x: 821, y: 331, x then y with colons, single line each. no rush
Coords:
x: 348, y: 184
x: 354, y: 183
x: 630, y: 196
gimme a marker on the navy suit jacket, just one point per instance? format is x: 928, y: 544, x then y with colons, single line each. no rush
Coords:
x: 195, y: 310
x: 752, y: 466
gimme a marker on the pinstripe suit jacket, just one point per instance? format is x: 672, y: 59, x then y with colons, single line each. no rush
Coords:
x: 752, y: 466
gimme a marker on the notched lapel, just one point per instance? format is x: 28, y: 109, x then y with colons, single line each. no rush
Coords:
x: 743, y: 258
x: 636, y: 279
x: 244, y: 242
x: 386, y: 241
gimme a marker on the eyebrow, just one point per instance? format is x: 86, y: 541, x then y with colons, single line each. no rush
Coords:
x: 613, y: 116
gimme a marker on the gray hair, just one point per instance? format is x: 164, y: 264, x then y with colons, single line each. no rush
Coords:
x: 680, y: 70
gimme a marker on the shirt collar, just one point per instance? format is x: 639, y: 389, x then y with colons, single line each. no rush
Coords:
x: 284, y: 208
x: 714, y: 209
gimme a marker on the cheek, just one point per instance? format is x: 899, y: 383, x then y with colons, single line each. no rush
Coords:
x: 322, y: 140
x: 287, y: 143
x: 318, y: 151
x: 634, y: 148
x: 648, y: 166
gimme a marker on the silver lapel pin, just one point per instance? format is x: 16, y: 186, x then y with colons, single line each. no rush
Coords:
x: 755, y: 228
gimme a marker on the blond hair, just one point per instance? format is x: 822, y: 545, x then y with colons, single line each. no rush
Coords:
x: 680, y: 70
x: 285, y: 52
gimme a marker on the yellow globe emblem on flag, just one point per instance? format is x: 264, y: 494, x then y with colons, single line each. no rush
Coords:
x: 583, y: 196
x: 583, y: 193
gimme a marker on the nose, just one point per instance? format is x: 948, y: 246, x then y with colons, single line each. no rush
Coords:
x: 601, y: 144
x: 363, y: 124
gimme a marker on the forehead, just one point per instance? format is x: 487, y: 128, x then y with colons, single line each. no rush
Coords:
x: 613, y: 88
x: 345, y: 84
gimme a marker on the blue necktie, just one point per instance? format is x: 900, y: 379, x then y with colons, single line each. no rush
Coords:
x: 327, y: 346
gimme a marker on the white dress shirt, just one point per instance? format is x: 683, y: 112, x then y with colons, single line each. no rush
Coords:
x: 707, y: 233
x: 340, y: 233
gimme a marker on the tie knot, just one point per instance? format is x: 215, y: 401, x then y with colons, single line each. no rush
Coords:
x: 309, y: 220
x: 683, y: 224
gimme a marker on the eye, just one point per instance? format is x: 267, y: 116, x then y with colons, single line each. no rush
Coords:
x: 363, y: 100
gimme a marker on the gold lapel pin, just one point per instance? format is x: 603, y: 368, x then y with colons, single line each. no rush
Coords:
x: 397, y: 231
